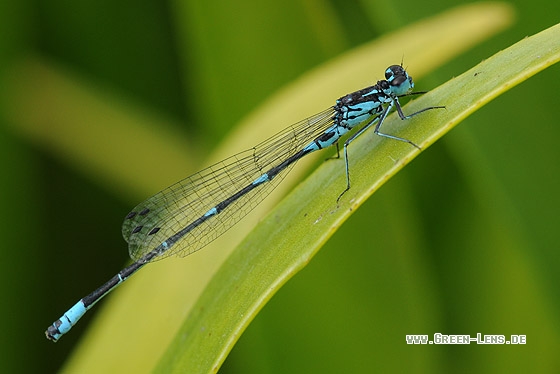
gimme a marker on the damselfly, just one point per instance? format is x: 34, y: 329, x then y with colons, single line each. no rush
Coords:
x: 188, y: 215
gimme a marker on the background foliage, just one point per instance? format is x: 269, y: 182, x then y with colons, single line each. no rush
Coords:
x: 462, y: 241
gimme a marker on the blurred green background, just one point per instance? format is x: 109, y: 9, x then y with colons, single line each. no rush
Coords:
x: 463, y: 241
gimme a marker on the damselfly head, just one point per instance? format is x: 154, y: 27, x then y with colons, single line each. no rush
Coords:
x: 399, y: 80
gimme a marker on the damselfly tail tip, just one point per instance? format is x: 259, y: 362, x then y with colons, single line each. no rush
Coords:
x: 52, y: 333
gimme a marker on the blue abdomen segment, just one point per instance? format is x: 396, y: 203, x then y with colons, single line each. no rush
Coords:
x: 67, y: 321
x: 73, y: 315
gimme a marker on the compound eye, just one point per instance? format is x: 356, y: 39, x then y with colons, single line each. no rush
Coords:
x: 392, y: 71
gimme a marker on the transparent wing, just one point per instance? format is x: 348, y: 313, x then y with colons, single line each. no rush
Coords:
x: 181, y: 204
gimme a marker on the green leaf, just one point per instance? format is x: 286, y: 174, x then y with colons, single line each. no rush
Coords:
x: 287, y: 239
